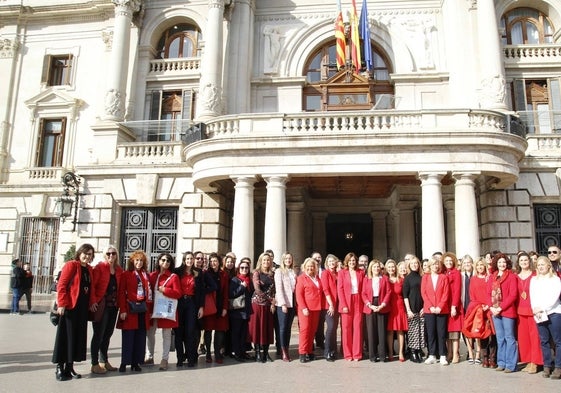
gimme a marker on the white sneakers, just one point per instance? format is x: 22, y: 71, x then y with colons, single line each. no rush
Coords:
x: 432, y: 360
x: 443, y: 361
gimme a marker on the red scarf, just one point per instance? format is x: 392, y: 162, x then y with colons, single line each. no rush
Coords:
x: 496, y: 293
x: 244, y: 279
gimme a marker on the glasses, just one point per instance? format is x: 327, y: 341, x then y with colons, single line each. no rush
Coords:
x: 110, y: 253
x: 165, y: 260
x: 244, y: 267
x: 199, y: 258
x: 553, y: 252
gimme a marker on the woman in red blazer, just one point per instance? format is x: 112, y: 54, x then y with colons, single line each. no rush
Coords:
x: 435, y: 291
x: 309, y: 298
x: 167, y: 283
x: 107, y: 275
x: 135, y: 287
x: 74, y: 298
x: 329, y: 284
x: 376, y: 297
x: 456, y: 317
x: 349, y: 288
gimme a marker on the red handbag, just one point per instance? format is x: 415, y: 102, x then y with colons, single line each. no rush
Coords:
x: 210, y: 304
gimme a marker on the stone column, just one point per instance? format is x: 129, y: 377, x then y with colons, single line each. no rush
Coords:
x: 9, y: 55
x: 243, y: 220
x: 451, y: 225
x: 275, y: 215
x: 379, y: 236
x: 319, y: 234
x: 210, y: 85
x: 296, y: 234
x: 467, y: 227
x: 432, y: 214
x: 119, y: 65
x: 492, y: 79
x: 406, y: 228
x: 393, y: 234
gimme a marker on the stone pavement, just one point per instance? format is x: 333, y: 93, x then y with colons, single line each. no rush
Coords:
x: 26, y: 343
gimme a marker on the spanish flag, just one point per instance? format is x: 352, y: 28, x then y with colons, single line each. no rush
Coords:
x: 340, y: 37
x: 355, y: 39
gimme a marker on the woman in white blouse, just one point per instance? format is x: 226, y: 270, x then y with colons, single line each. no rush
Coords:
x: 545, y: 289
x: 285, y: 284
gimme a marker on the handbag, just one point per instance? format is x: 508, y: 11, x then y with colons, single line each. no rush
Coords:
x: 210, y: 304
x: 237, y: 303
x: 137, y: 307
x: 96, y: 316
x: 164, y: 307
x: 53, y: 315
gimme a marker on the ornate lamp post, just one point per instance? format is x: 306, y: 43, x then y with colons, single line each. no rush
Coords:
x: 69, y: 198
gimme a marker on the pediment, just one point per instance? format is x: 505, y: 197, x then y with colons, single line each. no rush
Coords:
x: 53, y: 98
x: 347, y: 77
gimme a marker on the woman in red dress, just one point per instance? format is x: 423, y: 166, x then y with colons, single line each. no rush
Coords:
x: 397, y: 318
x: 455, y: 320
x: 529, y: 345
x: 349, y: 288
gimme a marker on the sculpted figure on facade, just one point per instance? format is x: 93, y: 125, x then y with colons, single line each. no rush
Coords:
x: 211, y: 97
x: 273, y: 39
x: 114, y: 105
x: 493, y: 90
x: 107, y: 37
x: 8, y: 48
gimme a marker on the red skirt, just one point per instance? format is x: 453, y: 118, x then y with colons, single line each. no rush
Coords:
x: 261, y: 325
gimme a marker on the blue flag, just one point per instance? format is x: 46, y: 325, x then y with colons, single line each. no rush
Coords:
x: 365, y: 35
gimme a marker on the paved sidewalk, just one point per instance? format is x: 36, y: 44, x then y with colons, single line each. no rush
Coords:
x: 26, y: 344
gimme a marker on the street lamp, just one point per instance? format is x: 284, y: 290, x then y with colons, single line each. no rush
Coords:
x: 69, y: 198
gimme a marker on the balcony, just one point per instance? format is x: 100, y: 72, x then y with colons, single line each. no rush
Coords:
x: 172, y: 68
x: 544, y: 132
x: 530, y: 56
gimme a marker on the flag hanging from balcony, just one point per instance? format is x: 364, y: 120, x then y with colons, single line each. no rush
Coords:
x: 355, y: 39
x: 365, y: 35
x: 340, y: 37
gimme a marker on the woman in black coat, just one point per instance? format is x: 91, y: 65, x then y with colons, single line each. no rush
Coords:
x: 240, y: 285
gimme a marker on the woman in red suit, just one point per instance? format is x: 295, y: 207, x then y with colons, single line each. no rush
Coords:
x: 219, y: 321
x: 435, y: 291
x: 107, y: 275
x: 135, y: 288
x: 349, y: 288
x: 329, y: 285
x: 397, y: 318
x: 74, y: 290
x: 376, y: 295
x: 528, y: 336
x: 167, y: 283
x: 310, y: 300
x: 478, y: 297
x: 455, y: 320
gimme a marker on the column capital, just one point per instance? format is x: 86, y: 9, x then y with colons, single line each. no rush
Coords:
x: 430, y: 178
x: 379, y: 215
x: 280, y: 179
x: 295, y: 206
x: 465, y: 177
x: 241, y: 180
x: 9, y: 48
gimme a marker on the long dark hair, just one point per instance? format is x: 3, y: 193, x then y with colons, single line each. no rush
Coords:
x: 182, y: 270
x: 170, y: 259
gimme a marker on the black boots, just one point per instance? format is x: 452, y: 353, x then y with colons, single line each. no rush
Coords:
x: 69, y: 371
x: 258, y: 353
x: 60, y: 374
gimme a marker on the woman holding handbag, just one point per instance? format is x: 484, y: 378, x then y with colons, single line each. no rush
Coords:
x: 134, y: 296
x: 107, y: 275
x: 73, y: 299
x: 241, y: 286
x: 165, y: 282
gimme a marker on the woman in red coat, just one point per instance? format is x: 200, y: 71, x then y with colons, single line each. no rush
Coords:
x: 107, y: 275
x: 167, y: 283
x: 455, y: 320
x: 329, y: 284
x: 309, y: 298
x: 134, y: 288
x: 74, y: 290
x: 435, y: 291
x: 376, y: 297
x: 219, y: 321
x: 349, y: 288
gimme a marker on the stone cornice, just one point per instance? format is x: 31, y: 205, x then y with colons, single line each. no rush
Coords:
x: 86, y: 11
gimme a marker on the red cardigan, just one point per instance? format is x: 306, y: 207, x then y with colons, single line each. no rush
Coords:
x: 102, y: 272
x: 329, y: 285
x: 172, y: 290
x: 344, y: 288
x: 308, y: 295
x: 383, y: 297
x: 127, y: 291
x: 67, y: 291
x: 439, y: 297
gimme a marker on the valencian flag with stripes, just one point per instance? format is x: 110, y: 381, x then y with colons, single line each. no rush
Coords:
x: 355, y: 39
x: 365, y: 35
x: 340, y: 37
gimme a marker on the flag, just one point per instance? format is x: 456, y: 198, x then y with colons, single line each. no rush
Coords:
x: 355, y: 39
x: 340, y: 37
x: 365, y: 35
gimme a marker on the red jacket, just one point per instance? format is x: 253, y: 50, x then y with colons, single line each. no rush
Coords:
x: 344, y: 288
x: 308, y: 294
x: 439, y: 297
x: 455, y: 281
x: 383, y: 297
x: 127, y: 291
x: 68, y: 287
x: 172, y: 289
x: 509, y: 291
x: 329, y: 285
x: 102, y: 272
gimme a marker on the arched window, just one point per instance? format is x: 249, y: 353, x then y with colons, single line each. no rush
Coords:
x: 179, y: 41
x: 328, y: 89
x: 526, y: 26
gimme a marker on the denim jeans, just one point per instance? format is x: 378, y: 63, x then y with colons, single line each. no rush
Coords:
x: 551, y: 328
x: 507, y: 350
x: 285, y: 325
x: 15, y: 299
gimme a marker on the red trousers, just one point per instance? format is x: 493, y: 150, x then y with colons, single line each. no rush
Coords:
x: 529, y: 345
x: 308, y: 326
x: 351, y: 329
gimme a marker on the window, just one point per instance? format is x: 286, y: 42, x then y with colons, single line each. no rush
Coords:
x: 538, y: 101
x: 329, y: 90
x: 57, y: 70
x: 548, y: 226
x: 39, y: 239
x: 179, y: 41
x: 526, y: 26
x: 171, y: 107
x: 51, y: 142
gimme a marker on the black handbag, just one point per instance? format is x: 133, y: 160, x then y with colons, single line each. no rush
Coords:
x: 53, y: 316
x: 137, y: 307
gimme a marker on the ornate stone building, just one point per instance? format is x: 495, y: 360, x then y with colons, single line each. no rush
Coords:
x: 221, y: 125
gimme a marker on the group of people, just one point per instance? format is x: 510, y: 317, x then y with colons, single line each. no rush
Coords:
x: 217, y: 305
